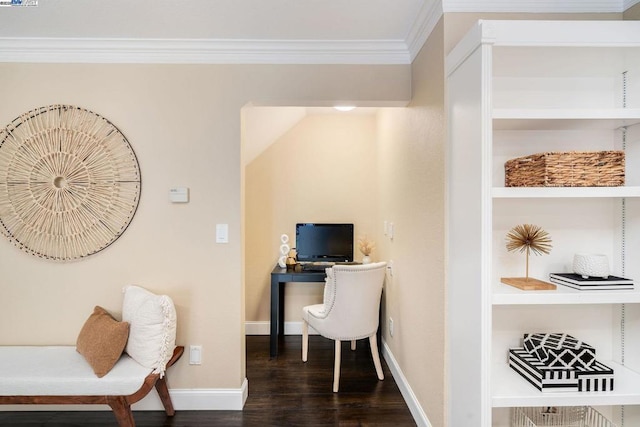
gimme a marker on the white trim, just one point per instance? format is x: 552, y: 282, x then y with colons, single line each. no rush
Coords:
x: 202, y: 51
x: 534, y: 6
x: 426, y: 20
x: 205, y: 399
x: 264, y: 328
x: 257, y: 328
x: 220, y: 399
x: 419, y: 416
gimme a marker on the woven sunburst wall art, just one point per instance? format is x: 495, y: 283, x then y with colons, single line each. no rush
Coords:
x: 69, y: 182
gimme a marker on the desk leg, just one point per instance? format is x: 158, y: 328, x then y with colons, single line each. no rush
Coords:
x: 281, y: 309
x: 275, y: 317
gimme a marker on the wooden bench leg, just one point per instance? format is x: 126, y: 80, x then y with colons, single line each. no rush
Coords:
x: 122, y: 410
x: 163, y: 392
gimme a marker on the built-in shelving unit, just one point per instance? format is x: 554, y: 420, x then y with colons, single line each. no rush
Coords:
x: 516, y: 88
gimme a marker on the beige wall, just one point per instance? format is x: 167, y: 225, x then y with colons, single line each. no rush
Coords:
x: 411, y: 168
x: 322, y: 170
x: 183, y: 121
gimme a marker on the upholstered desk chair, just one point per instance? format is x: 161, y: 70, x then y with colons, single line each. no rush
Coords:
x: 350, y: 311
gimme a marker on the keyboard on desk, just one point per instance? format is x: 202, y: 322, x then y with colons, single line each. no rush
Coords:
x: 317, y: 266
x: 321, y: 266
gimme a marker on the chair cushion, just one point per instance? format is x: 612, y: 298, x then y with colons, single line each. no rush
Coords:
x: 316, y: 310
x: 62, y: 371
x: 101, y: 340
x: 152, y: 334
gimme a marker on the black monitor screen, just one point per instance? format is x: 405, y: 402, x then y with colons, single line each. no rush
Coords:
x: 324, y: 242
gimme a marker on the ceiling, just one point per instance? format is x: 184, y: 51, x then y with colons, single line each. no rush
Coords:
x: 243, y: 31
x: 216, y: 19
x: 220, y: 30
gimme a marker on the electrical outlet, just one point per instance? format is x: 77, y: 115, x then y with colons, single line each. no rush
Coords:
x: 390, y: 326
x: 195, y: 355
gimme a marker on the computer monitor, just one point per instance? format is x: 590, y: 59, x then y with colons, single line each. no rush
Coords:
x: 324, y: 242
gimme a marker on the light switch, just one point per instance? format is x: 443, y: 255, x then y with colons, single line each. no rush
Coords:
x: 195, y: 355
x: 222, y: 233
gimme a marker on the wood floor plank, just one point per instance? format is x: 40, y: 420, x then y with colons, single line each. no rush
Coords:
x: 283, y: 392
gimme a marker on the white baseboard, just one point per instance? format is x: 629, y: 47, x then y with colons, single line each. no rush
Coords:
x: 199, y: 399
x: 264, y: 328
x: 419, y: 416
x: 227, y: 399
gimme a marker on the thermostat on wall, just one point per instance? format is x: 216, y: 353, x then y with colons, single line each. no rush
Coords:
x: 179, y: 195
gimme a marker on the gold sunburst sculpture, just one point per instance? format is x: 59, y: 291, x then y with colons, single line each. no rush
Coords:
x: 528, y: 238
x: 69, y: 182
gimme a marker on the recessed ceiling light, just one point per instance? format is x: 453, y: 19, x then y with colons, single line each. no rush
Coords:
x: 344, y: 107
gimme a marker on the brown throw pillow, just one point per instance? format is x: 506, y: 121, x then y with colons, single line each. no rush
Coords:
x: 102, y: 340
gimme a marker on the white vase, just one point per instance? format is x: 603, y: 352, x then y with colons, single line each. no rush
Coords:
x: 366, y: 259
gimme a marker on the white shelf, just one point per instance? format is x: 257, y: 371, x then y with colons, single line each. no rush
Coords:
x: 513, y: 86
x: 509, y: 295
x: 563, y: 119
x: 564, y: 192
x: 510, y: 389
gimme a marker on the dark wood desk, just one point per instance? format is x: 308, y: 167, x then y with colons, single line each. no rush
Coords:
x: 280, y: 276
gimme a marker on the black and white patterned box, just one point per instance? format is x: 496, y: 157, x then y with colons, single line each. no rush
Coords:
x: 541, y: 376
x: 560, y: 350
x: 599, y: 377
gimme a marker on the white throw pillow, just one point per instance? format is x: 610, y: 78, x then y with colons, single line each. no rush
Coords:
x: 152, y: 327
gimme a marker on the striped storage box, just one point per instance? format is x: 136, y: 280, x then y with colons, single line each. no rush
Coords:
x: 541, y: 376
x: 598, y: 377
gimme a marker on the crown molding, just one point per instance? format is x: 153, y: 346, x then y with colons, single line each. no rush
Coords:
x: 426, y: 20
x: 536, y: 6
x: 200, y: 51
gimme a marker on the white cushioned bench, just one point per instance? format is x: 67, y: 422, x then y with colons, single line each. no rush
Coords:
x: 62, y: 375
x: 26, y: 371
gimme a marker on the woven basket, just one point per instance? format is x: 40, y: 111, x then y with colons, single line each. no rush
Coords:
x: 566, y: 169
x: 563, y: 416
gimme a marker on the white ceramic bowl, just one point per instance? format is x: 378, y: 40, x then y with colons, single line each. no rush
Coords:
x: 591, y: 265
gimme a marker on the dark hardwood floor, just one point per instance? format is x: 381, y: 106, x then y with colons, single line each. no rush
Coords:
x: 282, y: 392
